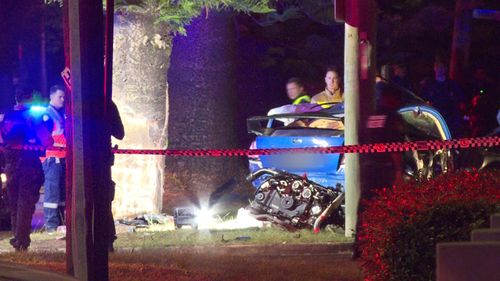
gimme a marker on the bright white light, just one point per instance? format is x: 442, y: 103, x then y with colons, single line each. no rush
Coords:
x: 204, y: 218
x: 4, y: 178
x: 243, y: 220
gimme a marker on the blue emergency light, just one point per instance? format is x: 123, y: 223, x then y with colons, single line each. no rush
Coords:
x: 37, y: 110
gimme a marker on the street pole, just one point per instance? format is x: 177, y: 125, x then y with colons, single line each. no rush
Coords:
x: 352, y: 169
x: 359, y: 77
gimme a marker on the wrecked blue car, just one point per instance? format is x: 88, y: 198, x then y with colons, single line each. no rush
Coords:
x: 300, y: 190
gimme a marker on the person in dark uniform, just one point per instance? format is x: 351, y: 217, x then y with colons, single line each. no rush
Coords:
x: 447, y: 96
x: 115, y: 126
x: 23, y: 126
x: 381, y: 170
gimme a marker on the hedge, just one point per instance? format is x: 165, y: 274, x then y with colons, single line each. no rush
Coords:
x: 401, y: 227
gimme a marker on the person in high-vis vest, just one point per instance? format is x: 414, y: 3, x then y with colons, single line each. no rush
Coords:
x: 54, y: 163
x: 333, y: 92
x: 295, y: 91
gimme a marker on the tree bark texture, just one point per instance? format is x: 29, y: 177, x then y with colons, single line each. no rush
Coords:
x: 202, y: 98
x: 7, y: 55
x: 141, y: 52
x: 90, y: 142
x: 460, y: 46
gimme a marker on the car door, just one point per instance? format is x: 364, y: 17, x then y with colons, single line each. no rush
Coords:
x: 423, y: 123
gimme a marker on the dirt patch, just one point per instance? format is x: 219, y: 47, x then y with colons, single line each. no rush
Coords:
x: 210, y: 267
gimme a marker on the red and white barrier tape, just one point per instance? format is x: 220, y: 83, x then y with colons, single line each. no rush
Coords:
x: 361, y: 148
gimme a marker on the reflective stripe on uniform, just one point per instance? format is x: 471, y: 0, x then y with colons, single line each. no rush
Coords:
x: 50, y: 205
x: 57, y: 133
x: 302, y: 99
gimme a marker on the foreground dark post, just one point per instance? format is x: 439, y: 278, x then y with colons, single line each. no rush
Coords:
x: 102, y: 203
x: 89, y: 141
x: 69, y: 145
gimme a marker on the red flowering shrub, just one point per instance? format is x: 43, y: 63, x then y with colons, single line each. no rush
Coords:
x: 401, y: 227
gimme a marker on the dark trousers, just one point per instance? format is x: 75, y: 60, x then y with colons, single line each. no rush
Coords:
x: 378, y: 174
x: 54, y: 191
x: 23, y: 190
x: 112, y: 229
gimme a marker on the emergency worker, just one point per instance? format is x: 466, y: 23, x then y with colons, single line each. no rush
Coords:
x: 333, y: 92
x: 54, y: 164
x: 23, y: 126
x: 295, y: 91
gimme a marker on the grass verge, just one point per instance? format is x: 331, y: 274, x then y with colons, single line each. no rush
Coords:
x: 156, y: 237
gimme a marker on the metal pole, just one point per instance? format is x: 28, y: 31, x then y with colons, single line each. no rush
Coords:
x: 352, y: 171
x: 359, y: 77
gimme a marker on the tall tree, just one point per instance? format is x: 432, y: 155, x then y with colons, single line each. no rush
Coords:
x: 460, y: 48
x: 202, y: 106
x: 7, y: 56
x: 143, y: 43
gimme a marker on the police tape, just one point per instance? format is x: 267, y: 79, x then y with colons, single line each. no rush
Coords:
x: 359, y: 148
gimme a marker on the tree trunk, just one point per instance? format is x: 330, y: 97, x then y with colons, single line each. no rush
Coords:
x: 460, y: 47
x: 202, y: 98
x: 90, y: 142
x: 141, y: 53
x: 70, y: 267
x: 43, y: 56
x: 7, y: 55
x: 29, y: 39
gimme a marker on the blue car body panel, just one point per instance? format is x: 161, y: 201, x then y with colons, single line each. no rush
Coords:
x: 320, y: 168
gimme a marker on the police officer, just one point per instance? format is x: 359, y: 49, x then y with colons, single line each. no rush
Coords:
x: 54, y: 165
x: 23, y: 126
